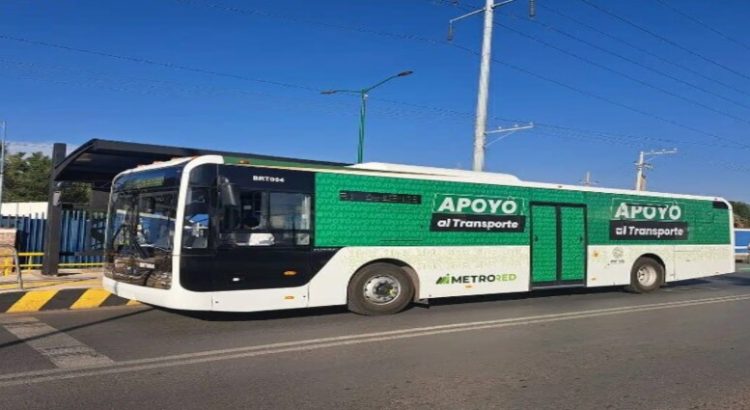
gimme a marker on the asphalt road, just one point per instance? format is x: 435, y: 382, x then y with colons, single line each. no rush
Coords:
x: 686, y: 346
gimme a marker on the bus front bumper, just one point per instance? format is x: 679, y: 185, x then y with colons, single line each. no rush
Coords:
x: 174, y: 298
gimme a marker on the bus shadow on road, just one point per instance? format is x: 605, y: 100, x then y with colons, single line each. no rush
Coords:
x: 735, y: 279
x: 339, y: 310
x: 534, y: 294
x: 258, y: 316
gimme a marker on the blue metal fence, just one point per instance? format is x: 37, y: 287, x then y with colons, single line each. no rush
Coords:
x: 81, y: 231
x: 741, y: 241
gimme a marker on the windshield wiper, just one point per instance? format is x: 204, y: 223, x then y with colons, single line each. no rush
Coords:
x: 154, y: 246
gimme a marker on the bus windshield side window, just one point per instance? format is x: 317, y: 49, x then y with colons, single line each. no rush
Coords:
x: 267, y: 219
x: 197, y: 217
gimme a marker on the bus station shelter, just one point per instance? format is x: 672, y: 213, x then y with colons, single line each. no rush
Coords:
x: 97, y: 162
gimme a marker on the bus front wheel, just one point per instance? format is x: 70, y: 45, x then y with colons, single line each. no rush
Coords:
x: 646, y: 276
x: 379, y: 289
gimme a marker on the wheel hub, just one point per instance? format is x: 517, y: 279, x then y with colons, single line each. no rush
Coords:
x: 647, y: 276
x: 381, y: 289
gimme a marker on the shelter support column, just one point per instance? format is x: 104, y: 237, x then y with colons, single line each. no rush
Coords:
x: 54, y: 216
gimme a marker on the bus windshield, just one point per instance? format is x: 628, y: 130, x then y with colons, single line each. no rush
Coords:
x: 143, y: 222
x: 141, y: 227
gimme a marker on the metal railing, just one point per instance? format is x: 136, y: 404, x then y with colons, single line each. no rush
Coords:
x: 33, y: 263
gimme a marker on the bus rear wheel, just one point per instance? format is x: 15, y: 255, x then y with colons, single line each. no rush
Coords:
x: 646, y: 276
x: 379, y: 289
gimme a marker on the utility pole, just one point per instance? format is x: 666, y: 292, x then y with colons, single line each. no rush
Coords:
x: 480, y: 125
x: 587, y: 181
x: 2, y: 160
x: 641, y: 166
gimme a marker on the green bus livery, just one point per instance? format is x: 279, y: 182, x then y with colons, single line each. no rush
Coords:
x: 247, y: 235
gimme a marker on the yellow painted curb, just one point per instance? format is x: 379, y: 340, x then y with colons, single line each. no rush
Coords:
x: 70, y: 298
x: 32, y: 301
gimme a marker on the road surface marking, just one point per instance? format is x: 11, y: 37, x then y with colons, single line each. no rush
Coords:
x: 337, y: 341
x: 90, y: 299
x: 32, y: 301
x: 61, y: 349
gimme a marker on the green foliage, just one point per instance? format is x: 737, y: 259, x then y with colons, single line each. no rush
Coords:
x: 76, y: 193
x: 741, y: 213
x: 27, y: 180
x: 26, y: 177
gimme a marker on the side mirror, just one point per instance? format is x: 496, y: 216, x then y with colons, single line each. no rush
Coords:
x: 228, y: 194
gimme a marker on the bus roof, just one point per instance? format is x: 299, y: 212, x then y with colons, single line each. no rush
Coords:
x: 434, y: 173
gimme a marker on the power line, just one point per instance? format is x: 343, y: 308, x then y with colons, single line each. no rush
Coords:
x: 622, y: 74
x: 417, y: 38
x: 155, y: 63
x: 609, y: 100
x: 83, y: 79
x: 583, y: 135
x: 286, y: 17
x: 664, y: 39
x: 634, y: 62
x: 628, y: 138
x: 596, y: 96
x: 643, y: 50
x: 436, y: 42
x: 704, y: 25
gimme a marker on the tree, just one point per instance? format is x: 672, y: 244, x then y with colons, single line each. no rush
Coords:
x: 26, y: 177
x: 27, y: 180
x: 741, y: 213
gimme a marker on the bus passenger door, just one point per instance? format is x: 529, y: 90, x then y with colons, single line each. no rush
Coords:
x: 558, y: 244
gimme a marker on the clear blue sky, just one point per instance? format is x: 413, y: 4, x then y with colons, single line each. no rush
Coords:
x: 265, y: 62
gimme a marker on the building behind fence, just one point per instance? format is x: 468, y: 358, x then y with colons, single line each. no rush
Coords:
x: 82, y: 237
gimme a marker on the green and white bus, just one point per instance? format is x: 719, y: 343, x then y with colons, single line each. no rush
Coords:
x: 215, y: 233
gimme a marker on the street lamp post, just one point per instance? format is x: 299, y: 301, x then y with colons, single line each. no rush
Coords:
x: 363, y: 93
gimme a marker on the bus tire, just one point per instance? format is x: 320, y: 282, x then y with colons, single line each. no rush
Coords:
x: 379, y: 289
x: 646, y: 276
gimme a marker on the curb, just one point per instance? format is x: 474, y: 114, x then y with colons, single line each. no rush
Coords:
x: 62, y: 299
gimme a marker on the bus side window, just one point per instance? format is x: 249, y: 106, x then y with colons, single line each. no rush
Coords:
x: 290, y: 218
x: 267, y: 219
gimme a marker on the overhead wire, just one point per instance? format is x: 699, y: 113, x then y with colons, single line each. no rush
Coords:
x: 664, y: 39
x: 703, y: 24
x: 637, y: 63
x: 623, y: 74
x: 643, y: 50
x: 517, y: 68
x: 289, y: 85
x: 597, y: 96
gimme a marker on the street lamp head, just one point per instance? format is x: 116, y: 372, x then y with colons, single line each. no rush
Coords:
x: 404, y: 73
x: 328, y: 92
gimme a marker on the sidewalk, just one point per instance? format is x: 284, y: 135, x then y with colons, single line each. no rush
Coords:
x: 34, y: 280
x: 72, y: 289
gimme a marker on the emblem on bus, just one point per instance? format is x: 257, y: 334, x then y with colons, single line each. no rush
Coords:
x: 450, y: 279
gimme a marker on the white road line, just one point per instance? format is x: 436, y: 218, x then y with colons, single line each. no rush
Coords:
x: 338, y: 341
x: 61, y: 349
